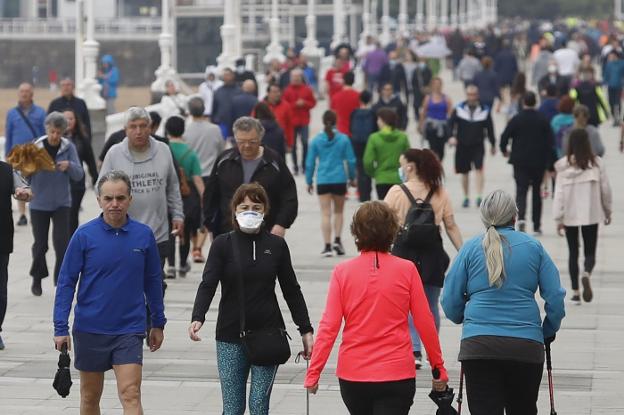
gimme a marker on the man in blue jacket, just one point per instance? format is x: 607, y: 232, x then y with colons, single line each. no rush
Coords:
x: 24, y: 124
x: 109, y: 317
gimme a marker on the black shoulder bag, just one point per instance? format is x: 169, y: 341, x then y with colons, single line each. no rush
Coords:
x: 28, y: 123
x: 266, y: 346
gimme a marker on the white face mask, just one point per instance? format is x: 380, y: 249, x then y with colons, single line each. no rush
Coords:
x: 402, y: 175
x: 249, y: 221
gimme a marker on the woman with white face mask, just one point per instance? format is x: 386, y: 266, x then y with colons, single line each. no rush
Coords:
x: 247, y: 261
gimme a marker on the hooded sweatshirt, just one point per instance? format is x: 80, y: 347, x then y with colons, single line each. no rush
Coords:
x: 381, y: 157
x: 51, y: 189
x: 331, y: 155
x: 155, y: 185
x: 110, y: 79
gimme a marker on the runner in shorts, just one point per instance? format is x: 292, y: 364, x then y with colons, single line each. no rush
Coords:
x: 469, y: 125
x: 110, y: 314
x: 327, y: 155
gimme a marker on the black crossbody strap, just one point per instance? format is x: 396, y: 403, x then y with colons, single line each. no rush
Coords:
x: 27, y: 121
x: 239, y: 281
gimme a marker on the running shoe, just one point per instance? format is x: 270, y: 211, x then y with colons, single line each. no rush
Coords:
x: 478, y: 201
x: 171, y: 273
x: 576, y: 299
x: 182, y: 271
x: 538, y: 232
x: 338, y: 248
x: 327, y: 252
x: 466, y: 203
x: 22, y: 221
x: 588, y: 295
x: 1, y: 344
x: 198, y: 258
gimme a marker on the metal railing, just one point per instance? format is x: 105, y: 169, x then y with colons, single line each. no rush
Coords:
x: 60, y: 28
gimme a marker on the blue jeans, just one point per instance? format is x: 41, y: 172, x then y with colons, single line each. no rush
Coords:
x: 303, y: 132
x: 234, y: 370
x: 433, y: 295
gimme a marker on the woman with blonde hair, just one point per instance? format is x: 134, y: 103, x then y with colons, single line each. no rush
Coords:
x: 373, y: 294
x: 490, y: 289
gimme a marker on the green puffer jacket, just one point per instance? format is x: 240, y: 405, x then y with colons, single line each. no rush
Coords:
x: 381, y: 157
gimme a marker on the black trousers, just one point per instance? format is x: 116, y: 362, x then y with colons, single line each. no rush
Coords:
x: 526, y: 178
x: 40, y: 221
x: 77, y: 193
x: 436, y: 144
x: 590, y: 239
x: 382, y: 190
x: 495, y: 387
x: 364, y: 182
x: 378, y: 398
x: 4, y: 282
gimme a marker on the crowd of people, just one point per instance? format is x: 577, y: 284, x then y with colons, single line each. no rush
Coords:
x: 222, y: 171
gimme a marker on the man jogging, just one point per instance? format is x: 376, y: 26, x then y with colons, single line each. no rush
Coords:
x: 109, y: 317
x: 469, y: 125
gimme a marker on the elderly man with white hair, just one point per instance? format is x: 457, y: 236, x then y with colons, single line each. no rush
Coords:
x: 155, y: 185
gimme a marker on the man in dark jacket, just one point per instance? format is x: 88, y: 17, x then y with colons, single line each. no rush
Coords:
x: 393, y: 72
x: 552, y: 78
x: 10, y: 184
x: 469, y: 125
x: 388, y: 99
x: 222, y: 107
x: 69, y: 100
x: 421, y: 80
x: 505, y: 65
x: 243, y: 74
x: 532, y: 152
x: 243, y: 104
x: 250, y: 162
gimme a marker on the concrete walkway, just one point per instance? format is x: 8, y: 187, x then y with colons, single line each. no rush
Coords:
x: 182, y: 378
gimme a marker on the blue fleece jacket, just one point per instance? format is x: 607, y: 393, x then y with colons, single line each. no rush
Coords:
x: 510, y: 310
x: 331, y: 155
x: 118, y: 270
x: 51, y: 189
x: 17, y: 130
x: 613, y: 74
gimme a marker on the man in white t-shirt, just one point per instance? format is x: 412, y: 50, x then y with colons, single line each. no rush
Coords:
x: 567, y: 60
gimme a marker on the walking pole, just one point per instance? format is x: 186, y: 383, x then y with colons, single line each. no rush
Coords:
x: 297, y: 359
x: 551, y: 388
x: 460, y: 395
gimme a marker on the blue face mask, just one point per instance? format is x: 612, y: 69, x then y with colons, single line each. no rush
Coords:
x: 402, y: 175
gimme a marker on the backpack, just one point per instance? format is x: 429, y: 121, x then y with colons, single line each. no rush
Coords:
x: 420, y: 229
x: 363, y: 124
x: 185, y: 188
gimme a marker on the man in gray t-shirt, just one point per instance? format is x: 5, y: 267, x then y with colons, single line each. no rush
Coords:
x: 203, y: 137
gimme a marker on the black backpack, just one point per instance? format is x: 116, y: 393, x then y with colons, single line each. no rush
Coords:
x: 420, y: 229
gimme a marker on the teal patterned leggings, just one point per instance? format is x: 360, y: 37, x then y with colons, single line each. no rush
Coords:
x: 234, y: 370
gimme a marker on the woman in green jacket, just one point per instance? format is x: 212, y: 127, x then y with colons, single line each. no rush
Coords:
x: 383, y: 149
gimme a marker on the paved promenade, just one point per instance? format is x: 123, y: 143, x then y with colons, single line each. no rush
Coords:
x: 182, y: 378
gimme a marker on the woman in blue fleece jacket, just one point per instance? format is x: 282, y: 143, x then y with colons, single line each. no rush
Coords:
x: 490, y: 288
x: 328, y: 154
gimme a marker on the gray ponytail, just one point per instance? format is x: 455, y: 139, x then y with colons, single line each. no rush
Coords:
x: 497, y: 209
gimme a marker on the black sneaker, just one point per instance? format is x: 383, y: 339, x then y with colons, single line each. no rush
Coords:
x: 22, y: 221
x: 182, y: 271
x: 35, y: 288
x: 576, y: 299
x: 588, y: 294
x: 327, y: 252
x: 338, y: 248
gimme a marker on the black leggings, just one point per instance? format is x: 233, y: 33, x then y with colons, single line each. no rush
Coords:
x: 590, y: 238
x: 495, y: 387
x: 378, y: 398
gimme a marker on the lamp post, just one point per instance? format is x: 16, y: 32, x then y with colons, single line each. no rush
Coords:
x: 89, y: 87
x: 228, y: 35
x: 310, y: 44
x: 274, y: 50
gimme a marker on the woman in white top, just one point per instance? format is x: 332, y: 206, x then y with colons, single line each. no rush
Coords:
x: 582, y: 199
x: 421, y: 173
x: 173, y: 103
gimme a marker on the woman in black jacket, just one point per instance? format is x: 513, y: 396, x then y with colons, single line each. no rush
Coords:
x: 274, y: 137
x: 264, y: 257
x: 76, y: 133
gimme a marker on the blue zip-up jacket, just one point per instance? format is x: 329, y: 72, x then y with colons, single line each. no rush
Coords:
x: 510, y: 310
x: 110, y: 79
x: 613, y: 74
x: 118, y: 270
x: 331, y: 155
x: 51, y: 189
x: 18, y: 132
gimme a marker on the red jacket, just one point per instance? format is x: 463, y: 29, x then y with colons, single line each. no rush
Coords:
x: 285, y: 117
x: 292, y: 94
x: 373, y: 294
x: 343, y: 103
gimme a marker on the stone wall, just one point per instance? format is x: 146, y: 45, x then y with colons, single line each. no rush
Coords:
x: 137, y: 60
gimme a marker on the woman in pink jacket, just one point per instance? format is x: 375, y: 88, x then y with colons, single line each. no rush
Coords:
x: 582, y: 199
x: 374, y: 293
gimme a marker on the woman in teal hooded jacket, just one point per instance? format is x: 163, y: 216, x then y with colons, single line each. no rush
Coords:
x: 332, y: 149
x: 383, y: 150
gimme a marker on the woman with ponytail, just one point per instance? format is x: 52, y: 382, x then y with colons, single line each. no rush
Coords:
x: 490, y: 289
x: 328, y: 153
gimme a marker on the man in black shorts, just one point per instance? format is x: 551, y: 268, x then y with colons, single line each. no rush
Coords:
x: 469, y: 124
